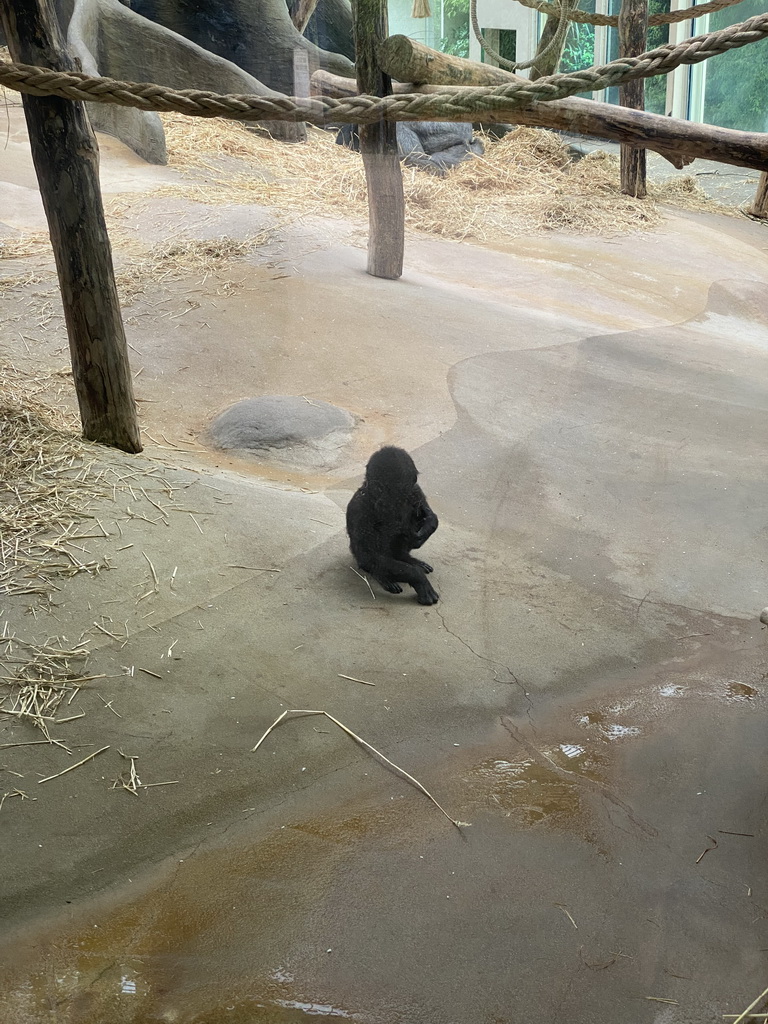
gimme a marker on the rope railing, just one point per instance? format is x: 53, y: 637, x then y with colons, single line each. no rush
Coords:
x: 668, y: 18
x: 565, y: 15
x: 475, y: 103
x: 559, y: 11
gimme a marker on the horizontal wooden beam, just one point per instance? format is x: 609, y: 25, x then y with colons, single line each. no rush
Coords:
x: 680, y: 142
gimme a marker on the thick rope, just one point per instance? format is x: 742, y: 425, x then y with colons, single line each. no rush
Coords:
x: 671, y: 17
x: 480, y: 103
x: 560, y: 12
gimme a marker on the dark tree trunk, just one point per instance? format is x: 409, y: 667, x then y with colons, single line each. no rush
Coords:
x: 633, y: 32
x: 378, y: 146
x: 66, y: 160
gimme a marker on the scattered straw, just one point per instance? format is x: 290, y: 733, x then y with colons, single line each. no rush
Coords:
x: 363, y: 743
x: 48, y: 481
x: 743, y: 1016
x: 128, y: 780
x: 703, y: 852
x: 526, y: 183
x: 181, y: 258
x: 365, y: 580
x: 255, y: 568
x: 72, y: 767
x: 353, y: 680
x: 37, y: 678
x: 567, y: 913
x: 34, y: 249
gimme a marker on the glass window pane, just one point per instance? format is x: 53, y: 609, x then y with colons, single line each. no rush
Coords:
x: 736, y: 83
x: 579, y: 51
x: 658, y: 35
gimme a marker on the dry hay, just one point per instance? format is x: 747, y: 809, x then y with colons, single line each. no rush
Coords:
x: 36, y: 678
x: 178, y: 259
x: 34, y: 247
x: 526, y: 183
x: 47, y: 483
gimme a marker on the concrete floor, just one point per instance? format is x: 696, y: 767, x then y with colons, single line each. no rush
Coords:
x: 589, y: 420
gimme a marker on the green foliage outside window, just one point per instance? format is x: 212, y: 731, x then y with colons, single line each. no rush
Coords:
x: 456, y: 15
x: 736, y: 91
x: 658, y: 35
x: 456, y: 42
x: 579, y: 50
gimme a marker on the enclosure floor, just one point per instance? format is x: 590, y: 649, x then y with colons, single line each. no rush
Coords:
x: 589, y: 419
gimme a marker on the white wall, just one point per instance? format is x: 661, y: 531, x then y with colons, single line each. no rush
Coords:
x: 506, y: 14
x: 423, y: 29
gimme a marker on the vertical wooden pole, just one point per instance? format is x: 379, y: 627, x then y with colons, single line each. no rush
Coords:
x: 759, y: 207
x: 378, y: 146
x: 633, y: 32
x: 66, y: 159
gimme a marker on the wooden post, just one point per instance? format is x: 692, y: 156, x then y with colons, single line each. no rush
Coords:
x: 633, y: 32
x: 66, y: 159
x: 759, y: 207
x: 378, y: 146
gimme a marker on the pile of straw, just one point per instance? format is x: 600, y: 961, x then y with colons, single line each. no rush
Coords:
x: 168, y: 261
x: 47, y: 484
x: 34, y: 250
x: 35, y: 680
x: 525, y: 183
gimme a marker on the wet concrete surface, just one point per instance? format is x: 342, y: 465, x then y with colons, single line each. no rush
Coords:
x: 580, y: 884
x: 588, y: 418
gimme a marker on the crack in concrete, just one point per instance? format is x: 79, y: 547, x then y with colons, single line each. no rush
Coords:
x: 581, y: 780
x: 492, y: 661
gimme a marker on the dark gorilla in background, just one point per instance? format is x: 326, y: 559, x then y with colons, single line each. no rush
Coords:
x: 434, y: 146
x: 388, y: 517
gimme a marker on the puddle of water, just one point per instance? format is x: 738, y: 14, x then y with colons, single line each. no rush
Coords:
x: 316, y: 1009
x: 107, y: 990
x: 204, y: 944
x: 532, y: 792
x: 672, y: 690
x: 571, y: 749
x: 592, y: 718
x: 616, y: 732
x: 736, y: 691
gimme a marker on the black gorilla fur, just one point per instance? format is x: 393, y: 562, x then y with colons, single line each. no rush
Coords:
x: 388, y: 517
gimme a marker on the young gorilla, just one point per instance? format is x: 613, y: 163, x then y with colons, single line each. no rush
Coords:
x: 386, y: 518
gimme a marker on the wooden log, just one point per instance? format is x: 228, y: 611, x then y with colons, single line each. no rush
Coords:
x: 378, y: 147
x: 759, y: 207
x: 676, y: 140
x: 633, y: 33
x: 407, y: 60
x: 66, y: 160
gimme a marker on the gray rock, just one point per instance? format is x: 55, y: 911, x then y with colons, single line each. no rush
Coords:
x: 433, y: 146
x: 110, y: 39
x: 284, y: 428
